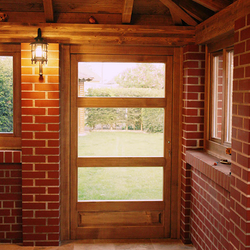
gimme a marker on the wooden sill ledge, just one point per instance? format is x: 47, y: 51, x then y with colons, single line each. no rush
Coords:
x: 204, y: 163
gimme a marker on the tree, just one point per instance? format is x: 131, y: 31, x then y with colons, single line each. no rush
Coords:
x: 145, y: 75
x: 6, y: 94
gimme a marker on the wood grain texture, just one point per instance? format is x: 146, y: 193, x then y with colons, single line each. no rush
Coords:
x: 214, y: 5
x: 65, y: 141
x: 99, y: 34
x: 48, y: 10
x: 127, y: 11
x: 222, y: 23
x: 180, y: 12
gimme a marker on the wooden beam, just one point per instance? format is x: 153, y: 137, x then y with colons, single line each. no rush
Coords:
x: 194, y: 9
x: 176, y: 19
x: 214, y: 5
x: 127, y: 11
x: 99, y: 34
x: 222, y: 23
x: 48, y: 11
x: 180, y: 12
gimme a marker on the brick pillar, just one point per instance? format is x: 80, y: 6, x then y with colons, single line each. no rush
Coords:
x: 240, y: 180
x: 40, y: 150
x: 192, y: 124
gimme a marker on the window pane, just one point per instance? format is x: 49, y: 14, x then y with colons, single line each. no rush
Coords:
x: 217, y: 96
x: 228, y: 96
x: 6, y: 94
x: 120, y: 131
x: 115, y: 79
x: 120, y: 183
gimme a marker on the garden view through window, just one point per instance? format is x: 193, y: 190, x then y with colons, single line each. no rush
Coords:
x: 120, y: 130
x: 6, y: 94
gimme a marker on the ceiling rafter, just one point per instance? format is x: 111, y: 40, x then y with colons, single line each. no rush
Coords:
x: 194, y: 9
x: 180, y: 12
x: 176, y: 19
x: 48, y: 11
x: 127, y: 11
x: 214, y: 5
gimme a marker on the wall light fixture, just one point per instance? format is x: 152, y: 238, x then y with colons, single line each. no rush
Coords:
x: 39, y: 51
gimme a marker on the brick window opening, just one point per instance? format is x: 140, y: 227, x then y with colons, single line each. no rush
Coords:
x: 219, y: 99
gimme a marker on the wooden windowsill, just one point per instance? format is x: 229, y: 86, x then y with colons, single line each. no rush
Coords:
x: 10, y: 156
x: 204, y: 162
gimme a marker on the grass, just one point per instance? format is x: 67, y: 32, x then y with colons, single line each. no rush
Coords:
x: 120, y: 144
x: 123, y: 183
x: 126, y: 183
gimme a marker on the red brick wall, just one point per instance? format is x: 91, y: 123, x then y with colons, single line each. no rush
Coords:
x: 192, y: 125
x: 210, y: 202
x: 10, y: 197
x: 240, y: 183
x: 40, y: 150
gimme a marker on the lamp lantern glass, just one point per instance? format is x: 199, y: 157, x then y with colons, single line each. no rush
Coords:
x: 39, y: 51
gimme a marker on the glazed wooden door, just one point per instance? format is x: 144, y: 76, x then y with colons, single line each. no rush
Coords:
x: 121, y: 117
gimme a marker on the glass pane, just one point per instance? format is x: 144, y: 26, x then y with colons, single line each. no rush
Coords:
x: 120, y: 131
x: 217, y: 96
x: 229, y: 95
x: 6, y: 94
x: 120, y: 183
x: 115, y: 79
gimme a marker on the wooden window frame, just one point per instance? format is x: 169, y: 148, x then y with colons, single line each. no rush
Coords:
x: 13, y: 140
x: 215, y: 146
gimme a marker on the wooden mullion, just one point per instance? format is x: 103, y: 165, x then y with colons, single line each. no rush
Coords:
x: 120, y: 161
x: 85, y: 102
x: 91, y: 206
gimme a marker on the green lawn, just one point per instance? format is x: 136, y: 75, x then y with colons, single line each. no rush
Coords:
x: 126, y: 183
x: 124, y: 143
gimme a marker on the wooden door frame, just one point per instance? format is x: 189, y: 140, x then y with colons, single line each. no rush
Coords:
x: 65, y: 72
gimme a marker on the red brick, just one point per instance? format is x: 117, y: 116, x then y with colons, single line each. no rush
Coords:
x: 47, y: 103
x: 33, y: 143
x: 245, y: 58
x: 47, y: 135
x: 53, y: 158
x: 47, y: 151
x: 244, y: 84
x: 47, y: 87
x: 237, y: 122
x: 49, y: 229
x: 239, y: 48
x: 33, y: 159
x: 33, y: 111
x: 53, y: 127
x: 245, y: 34
x: 47, y: 214
x: 34, y: 222
x: 53, y: 95
x: 27, y: 103
x: 53, y: 111
x: 33, y: 127
x: 240, y: 23
x: 47, y: 167
x: 27, y: 119
x: 47, y: 182
x: 53, y: 143
x: 33, y: 174
x: 34, y: 190
x: 34, y: 206
x: 239, y: 72
x: 47, y: 119
x: 53, y: 205
x: 33, y: 95
x: 34, y: 237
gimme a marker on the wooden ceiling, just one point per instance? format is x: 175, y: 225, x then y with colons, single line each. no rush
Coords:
x: 132, y: 12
